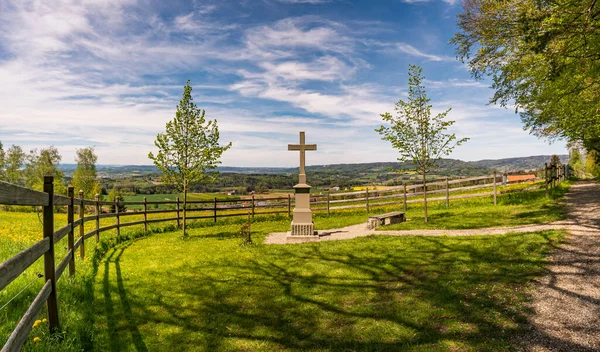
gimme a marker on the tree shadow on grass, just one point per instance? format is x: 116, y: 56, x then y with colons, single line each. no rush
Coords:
x: 121, y: 322
x: 369, y: 294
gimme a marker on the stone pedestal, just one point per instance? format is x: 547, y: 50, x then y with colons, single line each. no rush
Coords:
x: 303, y: 229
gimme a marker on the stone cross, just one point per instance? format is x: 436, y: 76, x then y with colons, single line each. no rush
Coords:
x: 303, y: 228
x: 302, y: 147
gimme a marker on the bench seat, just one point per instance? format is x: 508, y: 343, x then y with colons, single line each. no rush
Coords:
x: 386, y: 219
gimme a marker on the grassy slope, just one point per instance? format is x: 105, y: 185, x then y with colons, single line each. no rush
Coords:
x: 376, y: 293
x: 213, y: 248
x: 513, y: 209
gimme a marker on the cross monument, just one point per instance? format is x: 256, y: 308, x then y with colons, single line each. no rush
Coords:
x: 302, y: 225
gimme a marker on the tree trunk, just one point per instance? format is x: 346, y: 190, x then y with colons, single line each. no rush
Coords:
x: 184, y: 207
x: 425, y: 194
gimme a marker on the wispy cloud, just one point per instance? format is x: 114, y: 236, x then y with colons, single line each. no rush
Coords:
x: 450, y: 2
x: 411, y: 50
x: 305, y: 1
x: 110, y: 73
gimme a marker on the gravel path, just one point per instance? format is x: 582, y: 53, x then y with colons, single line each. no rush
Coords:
x: 566, y: 301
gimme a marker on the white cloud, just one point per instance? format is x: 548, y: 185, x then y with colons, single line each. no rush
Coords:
x: 76, y: 74
x: 449, y: 2
x: 411, y: 50
x: 305, y: 1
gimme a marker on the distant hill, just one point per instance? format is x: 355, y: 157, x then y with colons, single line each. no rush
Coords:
x: 516, y: 164
x: 445, y: 167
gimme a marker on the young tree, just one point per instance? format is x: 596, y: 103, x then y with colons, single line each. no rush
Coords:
x: 42, y: 164
x: 419, y: 137
x: 14, y: 159
x: 576, y: 161
x: 189, y: 150
x: 113, y: 195
x: 555, y: 160
x: 85, y: 177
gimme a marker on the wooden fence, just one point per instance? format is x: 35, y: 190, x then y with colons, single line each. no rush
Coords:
x: 554, y: 174
x: 16, y: 195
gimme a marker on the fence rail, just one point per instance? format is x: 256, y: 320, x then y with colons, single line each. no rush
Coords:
x: 15, y: 195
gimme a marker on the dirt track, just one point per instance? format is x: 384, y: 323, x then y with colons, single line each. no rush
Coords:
x: 567, y: 299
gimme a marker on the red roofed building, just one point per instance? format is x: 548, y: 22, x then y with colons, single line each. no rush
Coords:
x: 520, y: 178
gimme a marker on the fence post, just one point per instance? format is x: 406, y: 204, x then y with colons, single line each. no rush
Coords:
x: 215, y: 210
x: 559, y: 174
x: 495, y: 192
x: 81, y: 227
x: 546, y: 177
x: 49, y: 273
x: 367, y: 199
x: 97, y: 199
x: 117, y: 217
x: 146, y: 215
x: 253, y: 206
x: 70, y: 219
x: 447, y: 193
x: 289, y: 205
x: 327, y: 202
x: 404, y: 186
x: 177, y: 210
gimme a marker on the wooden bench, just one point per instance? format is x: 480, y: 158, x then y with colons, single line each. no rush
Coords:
x: 386, y: 219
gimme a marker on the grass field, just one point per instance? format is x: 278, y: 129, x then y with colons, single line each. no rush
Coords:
x: 173, y: 197
x: 513, y: 209
x: 209, y: 293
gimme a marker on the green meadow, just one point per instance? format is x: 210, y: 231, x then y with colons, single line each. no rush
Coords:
x: 161, y: 292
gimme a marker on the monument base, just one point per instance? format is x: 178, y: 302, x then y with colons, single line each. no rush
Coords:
x: 303, y: 229
x: 302, y: 233
x: 301, y: 239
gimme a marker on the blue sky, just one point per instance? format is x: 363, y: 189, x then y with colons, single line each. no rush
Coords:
x: 109, y: 74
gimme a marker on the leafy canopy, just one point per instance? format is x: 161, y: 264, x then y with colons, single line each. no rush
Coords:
x: 85, y: 177
x: 189, y: 150
x: 418, y: 137
x: 44, y: 163
x: 543, y: 56
x: 11, y: 165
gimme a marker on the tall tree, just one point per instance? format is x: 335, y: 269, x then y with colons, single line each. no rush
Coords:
x: 576, y: 161
x: 44, y: 163
x: 189, y: 150
x: 14, y: 159
x: 419, y: 137
x: 85, y: 177
x: 544, y: 57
